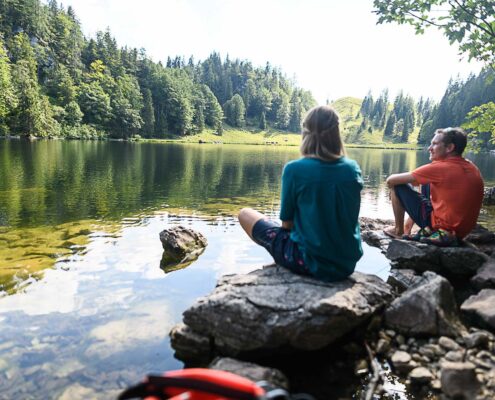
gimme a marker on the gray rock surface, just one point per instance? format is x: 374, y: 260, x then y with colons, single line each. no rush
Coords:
x: 251, y: 371
x: 272, y: 308
x: 181, y: 246
x: 480, y: 309
x: 485, y: 276
x: 451, y: 262
x: 190, y: 346
x: 403, y: 279
x: 401, y: 361
x: 459, y: 380
x: 420, y: 375
x: 427, y: 308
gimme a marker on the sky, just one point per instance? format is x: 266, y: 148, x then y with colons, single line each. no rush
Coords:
x: 334, y: 48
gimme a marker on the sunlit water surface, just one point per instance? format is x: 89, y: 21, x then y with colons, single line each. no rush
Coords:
x: 86, y: 309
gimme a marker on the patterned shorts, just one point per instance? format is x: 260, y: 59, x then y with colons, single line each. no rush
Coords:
x: 282, y: 248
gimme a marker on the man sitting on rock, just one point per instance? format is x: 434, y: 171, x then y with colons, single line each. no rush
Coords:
x: 450, y: 200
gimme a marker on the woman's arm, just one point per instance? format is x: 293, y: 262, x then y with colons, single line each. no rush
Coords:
x: 287, y: 225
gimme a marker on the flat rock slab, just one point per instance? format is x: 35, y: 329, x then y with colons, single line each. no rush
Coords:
x: 427, y: 308
x: 480, y: 309
x: 450, y: 262
x: 272, y: 308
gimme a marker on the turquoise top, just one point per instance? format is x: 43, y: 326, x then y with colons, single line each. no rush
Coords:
x: 322, y: 198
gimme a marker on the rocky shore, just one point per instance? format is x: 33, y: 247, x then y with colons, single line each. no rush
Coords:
x: 428, y: 331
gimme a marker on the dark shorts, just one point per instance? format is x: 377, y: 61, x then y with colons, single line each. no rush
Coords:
x: 417, y: 205
x: 281, y: 247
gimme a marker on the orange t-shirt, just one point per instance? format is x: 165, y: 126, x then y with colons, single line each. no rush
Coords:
x: 456, y: 193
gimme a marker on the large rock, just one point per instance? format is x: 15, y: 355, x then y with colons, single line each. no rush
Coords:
x: 485, y: 277
x: 459, y: 380
x: 251, y: 371
x: 181, y: 246
x: 274, y: 309
x: 450, y: 262
x: 480, y: 308
x: 426, y: 308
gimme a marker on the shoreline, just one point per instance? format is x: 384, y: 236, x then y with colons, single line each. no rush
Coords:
x: 225, y: 140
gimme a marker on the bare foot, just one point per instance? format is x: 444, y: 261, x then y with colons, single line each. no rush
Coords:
x: 393, y: 232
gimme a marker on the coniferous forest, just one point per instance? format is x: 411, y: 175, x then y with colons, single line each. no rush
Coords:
x: 56, y: 82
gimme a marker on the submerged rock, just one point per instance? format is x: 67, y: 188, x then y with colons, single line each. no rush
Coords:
x: 480, y: 309
x: 181, y: 246
x: 427, y: 308
x: 272, y: 309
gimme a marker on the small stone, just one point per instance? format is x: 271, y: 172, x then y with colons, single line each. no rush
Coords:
x: 400, y: 340
x: 484, y: 354
x: 426, y: 351
x: 454, y: 356
x: 448, y: 344
x: 477, y: 339
x: 403, y: 347
x: 411, y: 341
x: 361, y: 367
x: 420, y: 375
x: 383, y: 346
x: 400, y: 361
x: 459, y: 379
x: 417, y: 357
x: 436, y: 384
x: 390, y: 333
x: 482, y: 363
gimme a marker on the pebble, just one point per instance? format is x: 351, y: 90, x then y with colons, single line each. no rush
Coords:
x: 448, y: 343
x: 400, y: 340
x: 426, y: 351
x: 383, y: 346
x: 390, y: 333
x: 403, y: 347
x: 420, y: 375
x: 400, y: 361
x: 477, y: 339
x: 436, y: 384
x: 454, y: 356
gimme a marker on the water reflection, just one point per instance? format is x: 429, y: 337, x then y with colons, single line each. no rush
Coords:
x: 98, y: 321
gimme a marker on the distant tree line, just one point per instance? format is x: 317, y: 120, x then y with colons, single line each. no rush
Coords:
x: 55, y: 82
x: 464, y: 103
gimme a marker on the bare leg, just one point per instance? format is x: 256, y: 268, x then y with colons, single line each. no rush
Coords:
x: 408, y: 226
x: 248, y: 218
x: 399, y: 212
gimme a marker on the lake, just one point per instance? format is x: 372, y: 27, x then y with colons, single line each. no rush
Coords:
x: 85, y: 309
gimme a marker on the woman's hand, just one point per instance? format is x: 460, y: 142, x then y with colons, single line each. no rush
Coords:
x: 287, y: 225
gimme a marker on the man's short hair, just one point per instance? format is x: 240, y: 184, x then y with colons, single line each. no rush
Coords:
x: 455, y: 136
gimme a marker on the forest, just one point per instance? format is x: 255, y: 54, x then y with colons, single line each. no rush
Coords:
x: 55, y: 82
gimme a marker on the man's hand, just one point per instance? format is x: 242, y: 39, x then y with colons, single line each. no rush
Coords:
x: 400, y: 179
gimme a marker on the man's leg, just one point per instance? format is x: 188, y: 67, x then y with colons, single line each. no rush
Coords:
x: 399, y: 211
x: 248, y: 218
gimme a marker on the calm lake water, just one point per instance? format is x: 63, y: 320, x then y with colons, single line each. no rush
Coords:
x: 85, y: 309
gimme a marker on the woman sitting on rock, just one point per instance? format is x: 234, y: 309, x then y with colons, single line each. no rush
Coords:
x: 319, y: 207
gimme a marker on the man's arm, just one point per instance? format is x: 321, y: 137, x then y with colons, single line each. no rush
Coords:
x: 400, y: 179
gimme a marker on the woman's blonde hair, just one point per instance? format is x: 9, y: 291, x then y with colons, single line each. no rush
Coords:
x: 321, y: 134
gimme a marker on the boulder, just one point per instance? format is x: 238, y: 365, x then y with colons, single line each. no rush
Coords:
x: 251, y: 371
x: 426, y: 309
x: 190, y: 346
x: 459, y: 380
x: 485, y: 277
x: 480, y: 309
x: 403, y: 279
x: 181, y: 246
x: 272, y: 309
x: 450, y: 262
x: 482, y: 239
